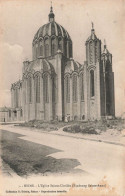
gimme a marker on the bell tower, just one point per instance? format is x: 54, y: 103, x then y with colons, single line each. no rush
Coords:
x: 107, y: 84
x: 93, y: 48
x: 93, y: 57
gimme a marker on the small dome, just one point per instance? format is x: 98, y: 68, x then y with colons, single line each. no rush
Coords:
x: 92, y: 36
x: 72, y: 66
x: 105, y: 51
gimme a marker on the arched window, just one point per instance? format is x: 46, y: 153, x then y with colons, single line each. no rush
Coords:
x: 37, y: 52
x: 21, y: 112
x: 16, y: 97
x: 41, y: 50
x: 91, y: 52
x: 65, y: 47
x: 81, y: 87
x: 92, y: 90
x: 96, y: 51
x: 46, y: 50
x: 60, y: 44
x: 46, y: 47
x: 70, y: 49
x: 74, y: 88
x: 29, y: 90
x: 67, y: 86
x: 45, y: 83
x: 15, y: 113
x: 53, y: 46
x: 24, y: 91
x: 37, y: 85
x: 53, y: 49
x: 34, y: 52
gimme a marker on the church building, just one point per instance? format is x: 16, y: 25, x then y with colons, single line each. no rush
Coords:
x: 56, y: 87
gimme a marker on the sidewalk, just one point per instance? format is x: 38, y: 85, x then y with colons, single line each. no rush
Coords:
x: 110, y: 136
x: 13, y: 122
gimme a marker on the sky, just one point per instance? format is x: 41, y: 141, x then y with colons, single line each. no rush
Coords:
x: 20, y: 20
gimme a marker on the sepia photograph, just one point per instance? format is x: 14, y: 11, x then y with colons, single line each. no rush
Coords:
x: 62, y: 97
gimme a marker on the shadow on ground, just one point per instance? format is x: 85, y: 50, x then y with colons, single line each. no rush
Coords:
x: 27, y: 158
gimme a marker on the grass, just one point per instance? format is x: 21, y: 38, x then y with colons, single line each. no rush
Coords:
x: 48, y: 126
x: 89, y: 127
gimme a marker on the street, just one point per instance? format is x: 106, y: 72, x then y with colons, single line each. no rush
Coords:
x: 29, y: 152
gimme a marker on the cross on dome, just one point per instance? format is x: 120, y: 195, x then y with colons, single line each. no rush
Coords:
x: 92, y: 25
x: 51, y: 14
x: 104, y: 43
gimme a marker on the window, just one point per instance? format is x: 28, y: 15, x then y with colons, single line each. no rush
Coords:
x: 16, y: 97
x: 92, y: 93
x: 46, y: 50
x: 41, y: 50
x: 60, y: 44
x: 53, y: 49
x: 37, y: 85
x: 81, y: 87
x: 24, y: 91
x: 46, y: 95
x: 70, y: 49
x: 46, y: 47
x: 21, y: 112
x: 29, y: 90
x: 96, y: 51
x: 15, y: 113
x: 37, y: 51
x: 53, y: 46
x: 74, y: 88
x: 91, y: 52
x: 67, y: 83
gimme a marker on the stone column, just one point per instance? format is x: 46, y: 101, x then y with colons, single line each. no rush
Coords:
x: 97, y: 91
x: 71, y: 117
x: 78, y: 96
x: 50, y: 96
x: 41, y: 99
x: 23, y: 99
x: 85, y: 92
x: 12, y: 98
x: 19, y: 98
x: 59, y: 84
x: 26, y: 105
x: 33, y: 99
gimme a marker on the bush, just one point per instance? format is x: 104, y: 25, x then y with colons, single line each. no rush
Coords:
x: 72, y: 129
x: 89, y: 130
x: 80, y: 129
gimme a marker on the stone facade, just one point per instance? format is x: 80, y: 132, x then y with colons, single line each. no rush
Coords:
x: 56, y: 87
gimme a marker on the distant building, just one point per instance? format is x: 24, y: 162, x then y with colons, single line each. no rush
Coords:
x: 56, y: 87
x: 5, y: 114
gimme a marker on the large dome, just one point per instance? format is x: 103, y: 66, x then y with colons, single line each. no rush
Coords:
x: 50, y: 29
x: 50, y: 38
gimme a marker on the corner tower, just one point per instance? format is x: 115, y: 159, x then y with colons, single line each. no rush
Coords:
x: 107, y: 84
x: 93, y: 57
